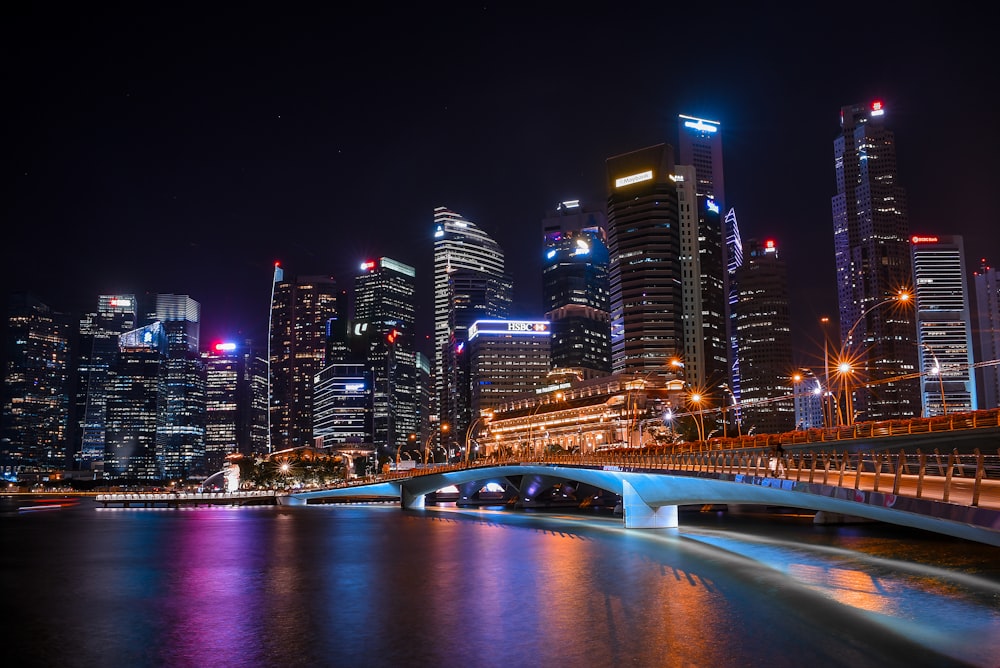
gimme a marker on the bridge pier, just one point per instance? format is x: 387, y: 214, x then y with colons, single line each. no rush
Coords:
x: 640, y: 515
x: 409, y: 500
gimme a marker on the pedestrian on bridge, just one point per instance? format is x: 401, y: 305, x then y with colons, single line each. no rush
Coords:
x: 777, y: 464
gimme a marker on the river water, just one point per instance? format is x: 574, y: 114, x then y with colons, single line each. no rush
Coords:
x: 372, y: 585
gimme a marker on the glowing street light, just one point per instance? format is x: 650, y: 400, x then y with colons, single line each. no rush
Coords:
x: 443, y: 429
x: 697, y: 399
x: 844, y: 363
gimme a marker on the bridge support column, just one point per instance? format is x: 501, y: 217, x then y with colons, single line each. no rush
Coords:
x: 409, y: 500
x: 640, y: 515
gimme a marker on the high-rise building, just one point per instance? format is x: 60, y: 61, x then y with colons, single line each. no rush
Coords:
x: 343, y: 406
x: 871, y: 247
x: 180, y: 435
x: 987, y: 282
x: 734, y: 260
x: 644, y: 243
x: 947, y: 382
x: 133, y: 406
x: 301, y: 311
x: 470, y: 284
x: 235, y: 417
x: 36, y: 384
x: 700, y: 145
x: 692, y: 321
x: 384, y: 301
x: 575, y: 290
x: 97, y: 353
x: 508, y: 358
x: 763, y: 333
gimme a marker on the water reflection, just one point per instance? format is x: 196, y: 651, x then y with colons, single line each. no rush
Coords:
x: 376, y: 586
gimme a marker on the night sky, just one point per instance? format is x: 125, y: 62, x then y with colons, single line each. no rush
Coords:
x: 185, y: 152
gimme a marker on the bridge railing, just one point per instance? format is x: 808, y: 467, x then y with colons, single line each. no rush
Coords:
x: 919, y: 475
x: 940, y: 424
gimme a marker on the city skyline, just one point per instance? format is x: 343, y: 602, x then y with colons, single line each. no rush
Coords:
x: 228, y: 149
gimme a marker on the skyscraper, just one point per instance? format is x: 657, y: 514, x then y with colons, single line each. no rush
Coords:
x: 493, y: 345
x: 36, y: 386
x: 180, y: 434
x: 575, y: 290
x: 384, y: 301
x: 470, y: 284
x: 133, y: 406
x: 301, y: 311
x: 700, y: 145
x: 734, y: 260
x: 234, y: 414
x: 763, y: 333
x: 987, y: 282
x: 944, y: 335
x: 871, y: 247
x: 644, y: 243
x: 97, y: 352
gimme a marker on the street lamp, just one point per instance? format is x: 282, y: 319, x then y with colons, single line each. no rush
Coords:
x: 442, y: 429
x: 468, y: 434
x: 697, y: 399
x: 844, y: 364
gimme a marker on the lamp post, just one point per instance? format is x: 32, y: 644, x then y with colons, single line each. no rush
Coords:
x: 468, y: 434
x: 827, y: 395
x: 844, y: 365
x: 697, y: 399
x: 442, y: 429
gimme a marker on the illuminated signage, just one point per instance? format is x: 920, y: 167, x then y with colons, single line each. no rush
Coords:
x: 354, y: 387
x: 570, y: 204
x: 769, y: 246
x: 677, y: 178
x: 634, y: 178
x: 923, y: 240
x: 877, y: 108
x: 368, y: 266
x: 118, y: 301
x: 519, y: 327
x: 712, y: 206
x: 699, y: 124
x: 225, y: 347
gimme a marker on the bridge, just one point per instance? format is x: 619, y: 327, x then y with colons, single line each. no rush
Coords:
x: 877, y: 471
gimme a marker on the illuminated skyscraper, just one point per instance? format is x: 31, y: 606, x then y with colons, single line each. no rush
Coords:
x: 644, y: 242
x: 97, y: 352
x: 384, y: 304
x: 301, y: 311
x: 492, y: 346
x: 133, y: 406
x: 734, y: 260
x: 987, y: 282
x: 763, y: 333
x: 700, y: 145
x: 36, y: 386
x: 470, y: 284
x: 575, y: 290
x: 943, y: 331
x: 234, y: 412
x: 871, y: 247
x: 180, y: 436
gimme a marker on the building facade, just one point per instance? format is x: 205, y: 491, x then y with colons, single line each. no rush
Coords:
x: 507, y: 357
x: 872, y: 254
x: 34, y: 423
x: 763, y: 334
x: 301, y: 312
x: 987, y: 285
x: 644, y: 244
x: 384, y: 303
x: 944, y: 332
x: 470, y: 283
x: 576, y: 291
x: 700, y: 146
x: 97, y: 353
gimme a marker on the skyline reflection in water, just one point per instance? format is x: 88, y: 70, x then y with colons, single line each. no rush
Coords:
x: 376, y: 586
